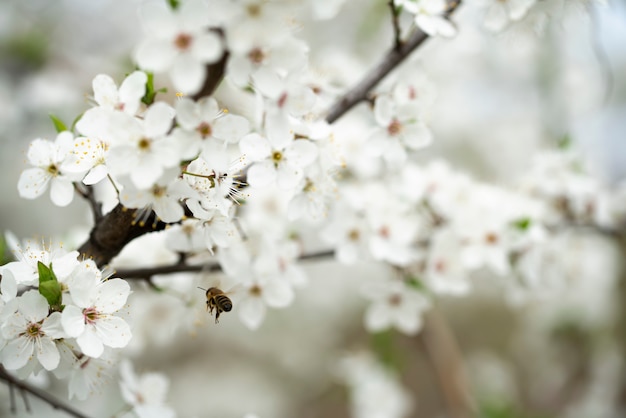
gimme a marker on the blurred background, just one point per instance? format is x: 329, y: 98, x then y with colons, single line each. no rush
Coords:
x: 501, y: 99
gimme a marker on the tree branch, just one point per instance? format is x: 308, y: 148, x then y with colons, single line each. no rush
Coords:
x: 445, y: 357
x: 390, y: 61
x: 117, y: 228
x: 13, y: 382
x: 88, y: 194
x: 147, y: 272
x: 396, y: 25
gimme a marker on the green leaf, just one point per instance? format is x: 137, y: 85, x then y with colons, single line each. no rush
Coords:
x: 4, y: 254
x: 522, y: 224
x: 76, y: 119
x: 565, y: 142
x: 173, y: 4
x: 383, y: 346
x: 49, y: 287
x: 151, y: 93
x: 416, y: 283
x: 58, y: 124
x: 148, y: 98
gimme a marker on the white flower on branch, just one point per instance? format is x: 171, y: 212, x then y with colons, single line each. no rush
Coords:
x: 203, y: 122
x: 287, y: 56
x: 429, y: 16
x: 91, y: 318
x: 399, y: 128
x: 179, y: 42
x: 31, y: 333
x: 25, y: 270
x: 49, y: 159
x: 146, y: 393
x: 164, y: 197
x: 144, y: 149
x: 278, y: 157
x: 125, y: 99
x: 394, y: 304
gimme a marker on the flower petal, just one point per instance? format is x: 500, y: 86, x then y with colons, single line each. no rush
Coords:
x: 252, y: 312
x: 255, y: 147
x: 17, y: 353
x: 111, y: 295
x: 90, y: 342
x: 187, y: 74
x: 158, y: 119
x: 105, y: 90
x: 48, y: 354
x: 207, y: 47
x: 73, y: 321
x: 61, y: 191
x: 33, y: 183
x: 113, y: 331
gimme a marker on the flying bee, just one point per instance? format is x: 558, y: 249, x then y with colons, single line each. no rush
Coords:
x: 216, y: 299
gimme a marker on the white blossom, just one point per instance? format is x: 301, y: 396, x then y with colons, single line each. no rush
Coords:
x: 48, y: 159
x: 146, y: 393
x: 394, y: 304
x: 91, y: 319
x: 178, y: 42
x: 31, y: 332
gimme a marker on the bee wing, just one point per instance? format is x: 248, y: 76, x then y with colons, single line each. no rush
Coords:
x: 236, y: 292
x: 214, y: 281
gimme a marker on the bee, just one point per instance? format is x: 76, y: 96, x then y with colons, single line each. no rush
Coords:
x: 217, y: 299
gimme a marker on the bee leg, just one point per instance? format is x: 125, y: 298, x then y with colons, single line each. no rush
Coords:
x: 217, y: 316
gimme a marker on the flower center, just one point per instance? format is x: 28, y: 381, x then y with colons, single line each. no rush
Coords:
x: 277, y: 157
x: 53, y: 169
x: 282, y: 99
x: 34, y: 330
x: 394, y: 128
x: 395, y: 299
x: 256, y: 56
x: 440, y: 266
x: 491, y: 238
x: 254, y: 10
x: 204, y: 129
x: 354, y: 235
x: 90, y: 315
x: 183, y: 41
x: 144, y: 144
x: 384, y: 232
x: 256, y: 290
x: 158, y: 191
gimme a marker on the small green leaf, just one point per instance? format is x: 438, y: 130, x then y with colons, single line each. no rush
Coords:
x: 416, y: 283
x: 565, y: 142
x: 148, y: 98
x: 174, y: 4
x: 49, y: 287
x: 383, y: 346
x: 522, y: 224
x: 76, y: 119
x: 58, y: 124
x: 4, y: 254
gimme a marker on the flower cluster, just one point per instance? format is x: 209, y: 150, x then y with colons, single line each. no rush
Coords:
x: 60, y: 314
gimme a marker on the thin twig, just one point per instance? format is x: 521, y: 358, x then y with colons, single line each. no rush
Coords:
x: 396, y: 24
x: 87, y: 193
x: 390, y: 61
x: 38, y: 393
x: 148, y: 272
x: 445, y: 357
